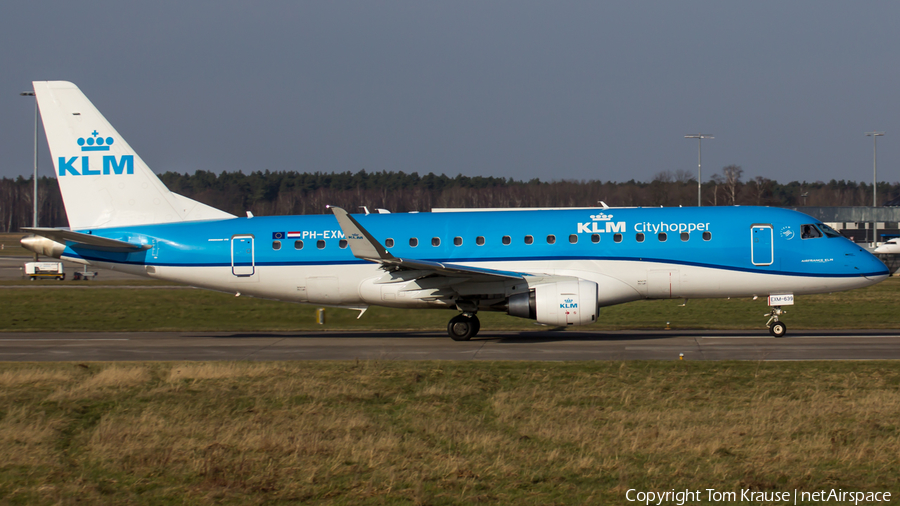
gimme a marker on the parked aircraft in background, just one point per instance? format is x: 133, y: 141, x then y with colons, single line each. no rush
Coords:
x: 556, y: 266
x: 889, y: 247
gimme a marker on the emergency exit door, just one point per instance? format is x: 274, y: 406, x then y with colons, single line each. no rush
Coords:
x: 243, y: 260
x: 762, y: 249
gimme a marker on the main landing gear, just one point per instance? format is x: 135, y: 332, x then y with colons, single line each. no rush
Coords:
x: 463, y: 327
x: 776, y: 328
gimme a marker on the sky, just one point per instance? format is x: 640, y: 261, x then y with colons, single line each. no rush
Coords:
x: 515, y: 89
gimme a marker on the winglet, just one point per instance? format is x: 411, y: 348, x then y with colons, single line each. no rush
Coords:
x: 361, y: 242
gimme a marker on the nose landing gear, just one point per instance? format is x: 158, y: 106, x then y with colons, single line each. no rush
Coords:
x: 776, y: 328
x: 463, y: 327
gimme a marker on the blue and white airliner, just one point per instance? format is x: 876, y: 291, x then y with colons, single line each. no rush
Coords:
x: 555, y: 266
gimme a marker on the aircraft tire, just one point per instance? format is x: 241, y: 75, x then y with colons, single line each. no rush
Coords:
x: 778, y: 329
x: 462, y: 328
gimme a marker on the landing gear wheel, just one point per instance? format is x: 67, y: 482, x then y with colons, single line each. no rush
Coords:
x: 778, y: 329
x: 463, y: 328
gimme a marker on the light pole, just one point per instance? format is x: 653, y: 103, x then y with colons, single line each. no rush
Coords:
x: 34, y: 196
x: 699, y: 138
x: 874, y: 135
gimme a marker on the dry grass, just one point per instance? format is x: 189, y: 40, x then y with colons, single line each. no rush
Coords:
x: 12, y: 378
x: 112, y: 378
x: 441, y: 433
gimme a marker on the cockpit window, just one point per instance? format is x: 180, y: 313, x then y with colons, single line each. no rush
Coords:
x: 830, y: 232
x: 809, y: 232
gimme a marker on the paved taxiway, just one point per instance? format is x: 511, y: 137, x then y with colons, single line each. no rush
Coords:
x: 12, y: 268
x: 625, y: 345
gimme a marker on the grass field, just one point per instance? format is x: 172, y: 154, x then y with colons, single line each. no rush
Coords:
x: 11, y: 246
x: 125, y: 309
x: 440, y: 433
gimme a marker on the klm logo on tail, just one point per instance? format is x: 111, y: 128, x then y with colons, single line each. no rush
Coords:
x: 94, y: 143
x: 111, y: 165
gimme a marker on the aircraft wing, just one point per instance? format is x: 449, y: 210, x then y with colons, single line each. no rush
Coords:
x: 85, y: 240
x: 364, y: 246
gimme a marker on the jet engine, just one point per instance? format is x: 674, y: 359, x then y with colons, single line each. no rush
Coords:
x: 560, y: 303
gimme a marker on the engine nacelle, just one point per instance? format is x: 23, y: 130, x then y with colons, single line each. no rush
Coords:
x: 561, y: 303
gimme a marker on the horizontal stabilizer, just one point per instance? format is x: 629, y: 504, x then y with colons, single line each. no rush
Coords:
x: 85, y: 240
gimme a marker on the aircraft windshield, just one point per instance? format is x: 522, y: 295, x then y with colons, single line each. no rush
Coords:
x: 830, y: 232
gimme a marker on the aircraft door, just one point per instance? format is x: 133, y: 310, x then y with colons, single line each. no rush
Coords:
x: 762, y: 249
x: 243, y: 258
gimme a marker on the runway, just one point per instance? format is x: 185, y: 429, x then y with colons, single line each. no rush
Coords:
x: 492, y: 346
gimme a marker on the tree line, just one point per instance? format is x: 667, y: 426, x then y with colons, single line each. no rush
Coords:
x: 281, y: 193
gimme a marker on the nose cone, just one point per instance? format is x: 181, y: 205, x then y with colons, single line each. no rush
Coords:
x: 872, y: 268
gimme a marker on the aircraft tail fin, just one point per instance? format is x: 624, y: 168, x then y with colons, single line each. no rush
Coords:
x: 103, y: 182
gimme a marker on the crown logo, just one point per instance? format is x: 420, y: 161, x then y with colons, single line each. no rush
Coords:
x: 568, y: 301
x: 95, y: 143
x: 601, y: 217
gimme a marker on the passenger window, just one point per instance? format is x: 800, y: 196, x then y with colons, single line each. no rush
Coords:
x: 809, y: 232
x: 506, y: 240
x: 529, y: 239
x: 276, y: 245
x: 573, y: 239
x: 479, y: 240
x: 298, y: 244
x: 551, y: 239
x: 639, y: 237
x: 457, y: 241
x: 413, y: 242
x: 320, y: 244
x: 685, y: 236
x: 662, y: 237
x: 435, y: 241
x: 342, y: 243
x: 707, y: 236
x: 617, y: 238
x: 595, y: 238
x: 388, y: 243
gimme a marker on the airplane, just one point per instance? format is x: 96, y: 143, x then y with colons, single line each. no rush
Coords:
x: 889, y: 247
x: 556, y: 266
